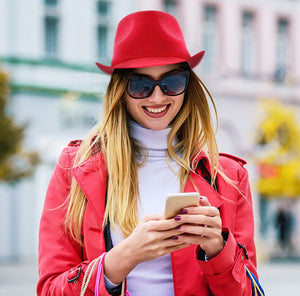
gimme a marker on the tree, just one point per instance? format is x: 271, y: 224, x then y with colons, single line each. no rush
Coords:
x: 15, y: 161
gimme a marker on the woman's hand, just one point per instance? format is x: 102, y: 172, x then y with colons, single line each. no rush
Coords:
x: 203, y: 226
x: 152, y: 238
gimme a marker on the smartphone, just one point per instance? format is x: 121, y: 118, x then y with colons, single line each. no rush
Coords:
x: 177, y: 201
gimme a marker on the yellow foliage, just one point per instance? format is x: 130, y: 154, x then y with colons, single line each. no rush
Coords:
x: 279, y: 163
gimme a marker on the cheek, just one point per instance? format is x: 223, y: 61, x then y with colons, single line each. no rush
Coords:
x: 132, y: 107
x: 179, y: 104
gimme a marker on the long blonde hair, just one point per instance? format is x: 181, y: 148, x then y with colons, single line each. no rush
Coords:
x: 192, y: 126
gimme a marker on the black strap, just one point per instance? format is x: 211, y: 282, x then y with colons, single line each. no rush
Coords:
x: 107, y: 237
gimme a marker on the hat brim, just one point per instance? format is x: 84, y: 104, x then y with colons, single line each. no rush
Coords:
x: 151, y: 61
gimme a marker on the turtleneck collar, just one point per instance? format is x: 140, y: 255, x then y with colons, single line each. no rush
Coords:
x: 150, y: 139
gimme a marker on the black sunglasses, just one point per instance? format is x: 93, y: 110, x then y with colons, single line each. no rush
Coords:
x: 142, y: 86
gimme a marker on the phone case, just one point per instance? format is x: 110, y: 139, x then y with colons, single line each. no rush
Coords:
x: 177, y: 201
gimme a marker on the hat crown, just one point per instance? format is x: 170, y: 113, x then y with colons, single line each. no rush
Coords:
x: 148, y: 34
x: 149, y: 38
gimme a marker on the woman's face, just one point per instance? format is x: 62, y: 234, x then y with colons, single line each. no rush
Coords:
x: 157, y: 111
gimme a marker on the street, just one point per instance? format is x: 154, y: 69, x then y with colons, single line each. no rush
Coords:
x: 280, y: 279
x: 277, y: 279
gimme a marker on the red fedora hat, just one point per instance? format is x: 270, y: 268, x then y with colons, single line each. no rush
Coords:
x: 149, y: 38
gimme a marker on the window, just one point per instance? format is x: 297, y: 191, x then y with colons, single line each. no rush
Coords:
x: 50, y: 2
x: 248, y: 44
x: 282, y: 49
x: 102, y: 38
x: 103, y: 24
x: 51, y: 28
x: 210, y: 37
x: 51, y: 36
x: 170, y: 6
x: 103, y: 8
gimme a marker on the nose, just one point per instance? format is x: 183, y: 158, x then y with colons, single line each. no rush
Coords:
x: 157, y: 94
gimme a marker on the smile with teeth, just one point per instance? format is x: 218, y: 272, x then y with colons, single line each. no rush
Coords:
x: 156, y: 110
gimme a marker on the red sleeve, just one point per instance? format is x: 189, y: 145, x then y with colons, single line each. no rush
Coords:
x: 61, y: 269
x: 226, y: 273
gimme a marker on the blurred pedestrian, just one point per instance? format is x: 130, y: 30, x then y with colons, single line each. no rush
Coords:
x: 284, y: 225
x: 102, y: 230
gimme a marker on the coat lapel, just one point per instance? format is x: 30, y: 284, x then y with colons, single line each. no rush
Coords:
x: 91, y: 175
x: 203, y: 187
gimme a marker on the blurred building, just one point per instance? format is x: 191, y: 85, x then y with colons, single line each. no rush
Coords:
x: 50, y: 47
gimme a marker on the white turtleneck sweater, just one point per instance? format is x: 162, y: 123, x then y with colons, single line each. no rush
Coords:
x: 156, y: 181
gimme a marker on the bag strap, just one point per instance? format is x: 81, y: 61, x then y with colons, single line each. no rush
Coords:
x: 99, y: 273
x: 88, y: 274
x: 257, y: 289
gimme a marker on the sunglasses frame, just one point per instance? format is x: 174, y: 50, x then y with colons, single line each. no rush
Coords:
x: 159, y: 83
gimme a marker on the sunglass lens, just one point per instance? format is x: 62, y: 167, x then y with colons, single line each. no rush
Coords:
x: 174, y: 84
x: 140, y: 87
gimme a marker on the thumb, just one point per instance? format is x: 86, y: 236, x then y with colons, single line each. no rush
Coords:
x: 204, y: 201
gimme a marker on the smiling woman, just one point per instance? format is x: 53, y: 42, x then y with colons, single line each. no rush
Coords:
x: 103, y: 230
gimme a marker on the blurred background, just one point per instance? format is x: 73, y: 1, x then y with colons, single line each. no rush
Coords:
x: 51, y: 93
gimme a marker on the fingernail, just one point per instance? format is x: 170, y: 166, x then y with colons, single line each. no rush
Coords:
x: 183, y: 211
x: 177, y: 218
x: 178, y: 227
x: 201, y: 197
x: 175, y: 237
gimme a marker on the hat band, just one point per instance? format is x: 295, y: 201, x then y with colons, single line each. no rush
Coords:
x: 149, y: 62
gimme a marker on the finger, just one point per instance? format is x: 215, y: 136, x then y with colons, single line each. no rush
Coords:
x: 161, y: 225
x: 211, y: 246
x: 209, y: 216
x: 177, y: 247
x: 167, y: 234
x: 204, y: 201
x: 162, y: 245
x: 162, y: 248
x: 201, y: 210
x: 190, y: 239
x: 199, y: 220
x: 198, y: 230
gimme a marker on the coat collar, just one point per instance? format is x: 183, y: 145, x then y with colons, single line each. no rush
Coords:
x: 203, y: 157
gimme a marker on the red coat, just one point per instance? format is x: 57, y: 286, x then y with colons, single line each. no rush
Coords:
x: 62, y: 261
